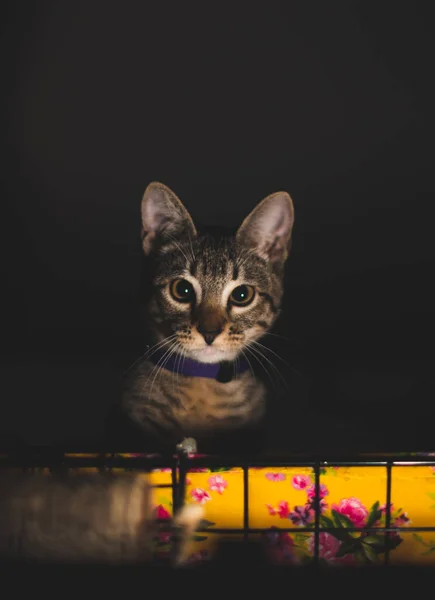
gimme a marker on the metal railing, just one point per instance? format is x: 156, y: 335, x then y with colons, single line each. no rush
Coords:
x: 60, y: 461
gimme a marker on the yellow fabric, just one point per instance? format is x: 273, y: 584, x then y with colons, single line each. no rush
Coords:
x: 279, y: 496
x: 412, y: 495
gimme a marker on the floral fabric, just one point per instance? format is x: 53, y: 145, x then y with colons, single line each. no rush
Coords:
x: 284, y: 498
x: 282, y: 504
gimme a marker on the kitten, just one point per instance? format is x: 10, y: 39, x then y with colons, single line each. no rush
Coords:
x: 84, y: 518
x: 211, y: 296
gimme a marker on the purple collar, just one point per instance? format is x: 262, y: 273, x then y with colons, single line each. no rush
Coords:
x: 222, y: 372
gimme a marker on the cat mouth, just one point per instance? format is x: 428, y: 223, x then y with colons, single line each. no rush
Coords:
x: 208, y: 354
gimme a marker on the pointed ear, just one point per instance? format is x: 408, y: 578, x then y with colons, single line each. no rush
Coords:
x: 268, y: 228
x: 163, y: 216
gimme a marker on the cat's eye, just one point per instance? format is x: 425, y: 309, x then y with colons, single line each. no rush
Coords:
x: 242, y: 295
x: 182, y: 290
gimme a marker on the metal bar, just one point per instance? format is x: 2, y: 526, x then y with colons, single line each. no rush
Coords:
x: 162, y: 485
x: 316, y: 512
x: 177, y: 502
x: 146, y: 465
x: 77, y: 463
x: 295, y: 530
x: 175, y: 499
x: 388, y: 516
x: 245, y: 503
x: 47, y: 454
x: 182, y: 474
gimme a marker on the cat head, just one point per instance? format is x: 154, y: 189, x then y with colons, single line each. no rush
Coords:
x: 211, y: 296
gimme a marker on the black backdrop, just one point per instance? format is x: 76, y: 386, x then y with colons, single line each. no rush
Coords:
x: 225, y: 104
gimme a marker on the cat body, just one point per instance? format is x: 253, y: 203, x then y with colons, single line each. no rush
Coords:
x: 210, y: 296
x: 199, y: 407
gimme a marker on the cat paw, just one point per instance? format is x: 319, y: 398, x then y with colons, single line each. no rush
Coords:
x: 188, y: 445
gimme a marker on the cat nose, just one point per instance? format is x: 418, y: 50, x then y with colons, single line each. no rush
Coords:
x: 209, y: 335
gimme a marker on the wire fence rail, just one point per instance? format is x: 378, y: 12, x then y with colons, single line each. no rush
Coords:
x: 58, y: 460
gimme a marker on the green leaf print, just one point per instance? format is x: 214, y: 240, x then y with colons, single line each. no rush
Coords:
x: 375, y: 515
x: 377, y: 542
x: 347, y: 547
x: 341, y: 520
x: 369, y: 553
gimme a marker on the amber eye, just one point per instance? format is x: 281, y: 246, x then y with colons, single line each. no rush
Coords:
x: 182, y: 290
x: 242, y: 295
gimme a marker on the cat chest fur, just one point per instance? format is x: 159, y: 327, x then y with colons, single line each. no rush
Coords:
x: 190, y: 405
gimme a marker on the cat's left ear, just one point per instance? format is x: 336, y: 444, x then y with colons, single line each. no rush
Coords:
x: 268, y: 228
x: 164, y: 217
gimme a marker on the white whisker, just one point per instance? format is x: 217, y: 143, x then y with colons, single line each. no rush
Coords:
x: 249, y: 363
x: 148, y: 352
x: 158, y: 367
x: 261, y: 354
x: 281, y: 337
x: 270, y: 350
x: 277, y: 355
x: 181, y: 364
x: 250, y: 350
x: 176, y: 373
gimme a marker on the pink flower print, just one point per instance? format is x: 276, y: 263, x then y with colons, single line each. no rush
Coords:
x: 311, y: 491
x: 275, y: 476
x: 282, y: 510
x: 302, y: 516
x: 383, y: 508
x: 353, y: 509
x: 272, y: 510
x: 402, y: 521
x: 328, y: 546
x: 300, y: 482
x: 161, y: 513
x: 275, y: 537
x: 200, y: 495
x: 217, y: 484
x: 279, y: 546
x: 323, y: 505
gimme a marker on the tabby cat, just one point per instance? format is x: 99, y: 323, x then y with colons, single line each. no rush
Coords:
x: 211, y: 297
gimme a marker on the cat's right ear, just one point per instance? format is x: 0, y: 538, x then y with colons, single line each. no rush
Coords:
x: 163, y: 217
x: 268, y: 228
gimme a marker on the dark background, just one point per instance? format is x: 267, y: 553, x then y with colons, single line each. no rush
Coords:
x: 225, y: 104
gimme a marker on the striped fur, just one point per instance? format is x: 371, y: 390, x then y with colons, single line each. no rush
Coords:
x: 214, y: 264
